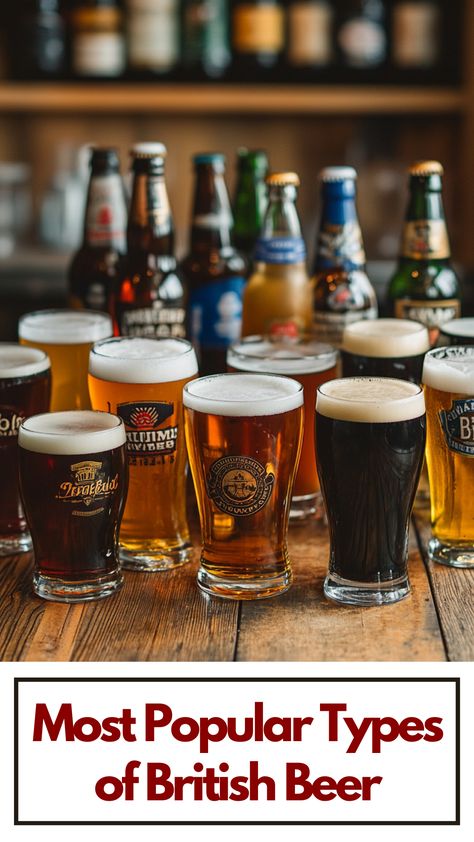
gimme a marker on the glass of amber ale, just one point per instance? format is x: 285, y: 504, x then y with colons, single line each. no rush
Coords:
x: 244, y: 434
x: 311, y: 363
x: 142, y: 381
x: 73, y: 483
x: 448, y: 376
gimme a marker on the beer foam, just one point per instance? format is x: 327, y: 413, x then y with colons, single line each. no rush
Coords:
x: 264, y: 355
x: 20, y: 361
x: 243, y: 395
x: 139, y: 360
x: 459, y: 327
x: 378, y: 400
x: 72, y: 433
x: 450, y: 370
x: 65, y: 327
x: 386, y: 338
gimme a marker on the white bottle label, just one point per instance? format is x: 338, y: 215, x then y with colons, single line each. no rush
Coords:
x: 99, y: 54
x: 415, y: 34
x: 363, y: 42
x: 310, y: 33
x: 153, y: 31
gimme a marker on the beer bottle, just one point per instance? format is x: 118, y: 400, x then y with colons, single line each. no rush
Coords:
x: 250, y: 198
x: 98, y: 41
x: 37, y: 40
x: 277, y: 299
x: 416, y: 42
x: 150, y: 298
x: 257, y: 36
x: 342, y: 290
x: 362, y: 34
x: 425, y: 286
x: 206, y: 48
x: 153, y: 37
x: 310, y: 37
x: 94, y: 268
x: 214, y: 270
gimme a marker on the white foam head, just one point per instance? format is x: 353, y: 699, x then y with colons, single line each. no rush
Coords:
x: 72, y: 433
x: 377, y: 400
x: 65, y: 327
x: 386, y: 338
x: 243, y: 395
x: 450, y: 370
x: 281, y: 356
x: 459, y: 327
x: 135, y: 359
x: 20, y: 361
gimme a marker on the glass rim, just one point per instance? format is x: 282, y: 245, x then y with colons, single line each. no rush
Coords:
x: 242, y: 407
x: 71, y: 442
x: 146, y: 368
x: 459, y: 322
x: 367, y: 338
x: 451, y: 379
x: 329, y: 354
x: 375, y: 409
x: 19, y: 369
x: 100, y: 326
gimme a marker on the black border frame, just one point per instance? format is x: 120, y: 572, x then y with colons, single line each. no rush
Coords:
x: 181, y: 679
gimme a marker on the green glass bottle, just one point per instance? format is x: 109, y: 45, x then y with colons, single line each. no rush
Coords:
x: 250, y: 198
x: 425, y: 286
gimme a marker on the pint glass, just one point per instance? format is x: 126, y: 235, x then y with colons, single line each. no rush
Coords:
x: 142, y: 380
x: 311, y: 363
x: 457, y: 332
x: 73, y: 482
x: 371, y: 440
x: 244, y: 434
x: 448, y: 376
x: 385, y: 348
x: 25, y: 384
x: 67, y: 337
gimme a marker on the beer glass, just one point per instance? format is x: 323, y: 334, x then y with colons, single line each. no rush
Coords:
x: 244, y: 434
x: 385, y: 348
x: 25, y: 385
x: 142, y: 381
x: 457, y: 332
x: 371, y: 440
x: 448, y: 376
x: 67, y: 337
x: 311, y: 363
x: 73, y: 482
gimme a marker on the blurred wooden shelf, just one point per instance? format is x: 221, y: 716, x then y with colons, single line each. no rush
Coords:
x: 156, y: 98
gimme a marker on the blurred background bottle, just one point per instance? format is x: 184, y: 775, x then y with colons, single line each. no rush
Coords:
x: 342, y: 290
x: 93, y: 271
x: 425, y: 287
x: 362, y: 37
x: 37, y: 40
x: 416, y: 34
x: 215, y: 271
x: 258, y: 37
x: 153, y: 30
x: 277, y: 299
x: 310, y: 46
x: 206, y: 41
x: 150, y: 295
x: 250, y: 199
x: 97, y: 39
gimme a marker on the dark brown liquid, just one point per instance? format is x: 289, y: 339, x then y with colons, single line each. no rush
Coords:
x: 400, y: 368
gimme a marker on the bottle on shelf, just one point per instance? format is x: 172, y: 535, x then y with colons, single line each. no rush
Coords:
x: 258, y: 38
x: 149, y: 299
x: 205, y: 42
x: 97, y: 39
x: 416, y: 37
x: 37, y: 40
x: 250, y: 199
x: 94, y: 268
x: 362, y: 36
x: 153, y: 37
x: 215, y: 271
x: 342, y: 290
x: 425, y: 286
x: 277, y: 298
x: 310, y: 48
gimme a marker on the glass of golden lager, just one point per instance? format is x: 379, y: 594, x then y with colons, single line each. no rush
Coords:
x: 73, y: 483
x: 142, y: 381
x: 67, y: 337
x: 311, y: 363
x: 244, y: 434
x: 448, y: 376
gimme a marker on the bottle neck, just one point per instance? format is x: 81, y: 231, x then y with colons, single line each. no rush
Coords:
x: 250, y: 204
x: 106, y: 212
x: 340, y: 244
x: 150, y: 224
x: 425, y: 236
x: 212, y: 216
x: 280, y: 239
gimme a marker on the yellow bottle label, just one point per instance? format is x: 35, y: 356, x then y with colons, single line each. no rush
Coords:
x: 258, y: 29
x: 432, y: 314
x: 426, y: 238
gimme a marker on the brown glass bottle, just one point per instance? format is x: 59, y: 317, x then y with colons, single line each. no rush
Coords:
x: 150, y: 296
x: 214, y: 270
x: 94, y: 268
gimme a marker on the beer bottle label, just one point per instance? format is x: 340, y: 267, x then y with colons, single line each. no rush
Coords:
x: 425, y: 239
x: 99, y: 54
x: 432, y: 314
x: 329, y: 327
x: 363, y: 42
x: 239, y: 486
x: 158, y: 206
x: 153, y: 34
x: 159, y: 321
x: 310, y: 40
x: 10, y: 421
x: 106, y: 214
x: 258, y: 29
x: 283, y: 250
x: 148, y: 441
x: 216, y: 312
x: 88, y: 486
x: 340, y: 245
x: 458, y: 426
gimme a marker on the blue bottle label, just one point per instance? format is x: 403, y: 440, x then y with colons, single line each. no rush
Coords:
x: 216, y: 312
x: 340, y: 245
x: 280, y: 250
x: 458, y: 426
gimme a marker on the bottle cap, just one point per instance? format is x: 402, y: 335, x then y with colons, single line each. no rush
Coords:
x: 426, y: 168
x: 209, y: 158
x: 329, y: 174
x: 148, y: 150
x: 282, y: 179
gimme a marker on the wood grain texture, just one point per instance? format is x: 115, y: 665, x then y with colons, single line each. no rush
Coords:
x: 453, y: 593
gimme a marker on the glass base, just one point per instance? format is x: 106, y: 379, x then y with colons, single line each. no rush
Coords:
x: 458, y: 555
x: 59, y: 590
x: 348, y: 592
x: 307, y: 507
x: 14, y: 544
x: 155, y: 560
x: 243, y: 588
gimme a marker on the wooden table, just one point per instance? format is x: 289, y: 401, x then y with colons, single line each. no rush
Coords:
x: 164, y: 617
